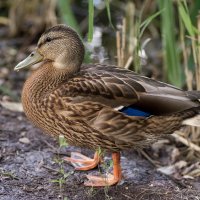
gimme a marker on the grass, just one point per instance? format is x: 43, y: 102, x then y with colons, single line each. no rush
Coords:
x: 91, y: 17
x: 189, y: 34
x: 193, y: 33
x: 109, y: 13
x: 172, y: 65
x: 130, y: 48
x: 7, y: 175
x: 90, y: 20
x: 67, y: 15
x: 63, y: 175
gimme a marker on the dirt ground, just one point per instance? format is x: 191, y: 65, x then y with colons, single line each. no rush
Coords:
x: 28, y: 170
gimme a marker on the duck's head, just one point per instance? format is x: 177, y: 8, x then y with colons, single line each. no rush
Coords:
x: 60, y: 45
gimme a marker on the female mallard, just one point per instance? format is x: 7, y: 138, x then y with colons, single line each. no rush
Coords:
x: 98, y: 106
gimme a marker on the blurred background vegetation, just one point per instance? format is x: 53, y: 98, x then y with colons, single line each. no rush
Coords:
x: 157, y: 38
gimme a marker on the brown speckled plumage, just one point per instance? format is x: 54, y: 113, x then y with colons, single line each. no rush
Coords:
x: 63, y: 97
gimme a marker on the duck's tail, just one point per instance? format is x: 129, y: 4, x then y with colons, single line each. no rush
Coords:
x: 195, y: 120
x: 193, y: 94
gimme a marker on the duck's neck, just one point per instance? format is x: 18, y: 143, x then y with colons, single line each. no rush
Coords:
x: 42, y: 83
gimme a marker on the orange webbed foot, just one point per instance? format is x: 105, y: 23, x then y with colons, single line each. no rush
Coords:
x: 108, y: 179
x: 101, y: 181
x: 82, y: 162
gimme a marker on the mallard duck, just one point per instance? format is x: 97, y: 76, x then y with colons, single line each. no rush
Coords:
x: 98, y: 106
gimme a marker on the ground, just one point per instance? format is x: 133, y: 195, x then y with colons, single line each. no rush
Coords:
x: 30, y: 167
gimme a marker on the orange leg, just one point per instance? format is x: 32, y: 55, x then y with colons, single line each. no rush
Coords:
x: 81, y: 162
x: 110, y: 179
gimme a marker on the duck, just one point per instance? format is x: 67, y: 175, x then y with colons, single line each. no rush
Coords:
x: 98, y: 106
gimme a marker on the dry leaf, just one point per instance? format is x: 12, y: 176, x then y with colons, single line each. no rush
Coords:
x: 13, y: 106
x: 168, y: 170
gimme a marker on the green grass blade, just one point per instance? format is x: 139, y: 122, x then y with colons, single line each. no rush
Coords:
x: 186, y: 19
x: 194, y: 10
x: 108, y: 13
x: 146, y: 22
x: 67, y: 15
x: 173, y: 71
x: 90, y: 20
x: 185, y: 16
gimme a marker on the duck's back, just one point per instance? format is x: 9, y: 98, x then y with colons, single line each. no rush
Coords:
x: 121, y: 88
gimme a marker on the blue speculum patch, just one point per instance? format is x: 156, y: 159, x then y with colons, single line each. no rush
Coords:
x: 131, y: 111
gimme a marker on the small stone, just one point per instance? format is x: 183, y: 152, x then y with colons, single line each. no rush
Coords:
x: 4, y: 72
x: 23, y: 133
x: 24, y: 140
x: 20, y: 119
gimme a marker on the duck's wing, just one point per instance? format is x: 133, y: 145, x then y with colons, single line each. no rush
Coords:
x: 118, y: 87
x: 93, y: 125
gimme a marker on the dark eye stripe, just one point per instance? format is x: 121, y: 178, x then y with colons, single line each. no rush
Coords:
x: 44, y: 42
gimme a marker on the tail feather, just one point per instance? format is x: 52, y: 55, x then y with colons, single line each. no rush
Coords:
x: 193, y: 94
x: 190, y: 117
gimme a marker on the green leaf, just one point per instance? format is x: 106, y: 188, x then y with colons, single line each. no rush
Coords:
x: 55, y: 181
x: 108, y: 13
x: 172, y: 71
x: 62, y: 171
x: 90, y: 20
x: 67, y: 15
x: 146, y: 22
x: 62, y: 141
x: 186, y: 19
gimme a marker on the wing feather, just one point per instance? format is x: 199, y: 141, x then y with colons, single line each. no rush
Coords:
x: 116, y: 87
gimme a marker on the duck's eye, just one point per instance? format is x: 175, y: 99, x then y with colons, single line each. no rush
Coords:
x: 48, y: 39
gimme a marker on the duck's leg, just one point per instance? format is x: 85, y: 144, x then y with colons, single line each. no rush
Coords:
x: 107, y: 180
x: 81, y: 162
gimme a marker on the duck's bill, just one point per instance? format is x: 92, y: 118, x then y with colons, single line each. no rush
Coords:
x: 33, y: 58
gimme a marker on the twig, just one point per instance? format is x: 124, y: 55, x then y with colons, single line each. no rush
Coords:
x: 185, y: 141
x: 128, y: 63
x: 198, y: 54
x: 156, y: 164
x: 118, y: 48
x: 49, y: 168
x: 123, y: 42
x: 128, y: 197
x: 50, y: 145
